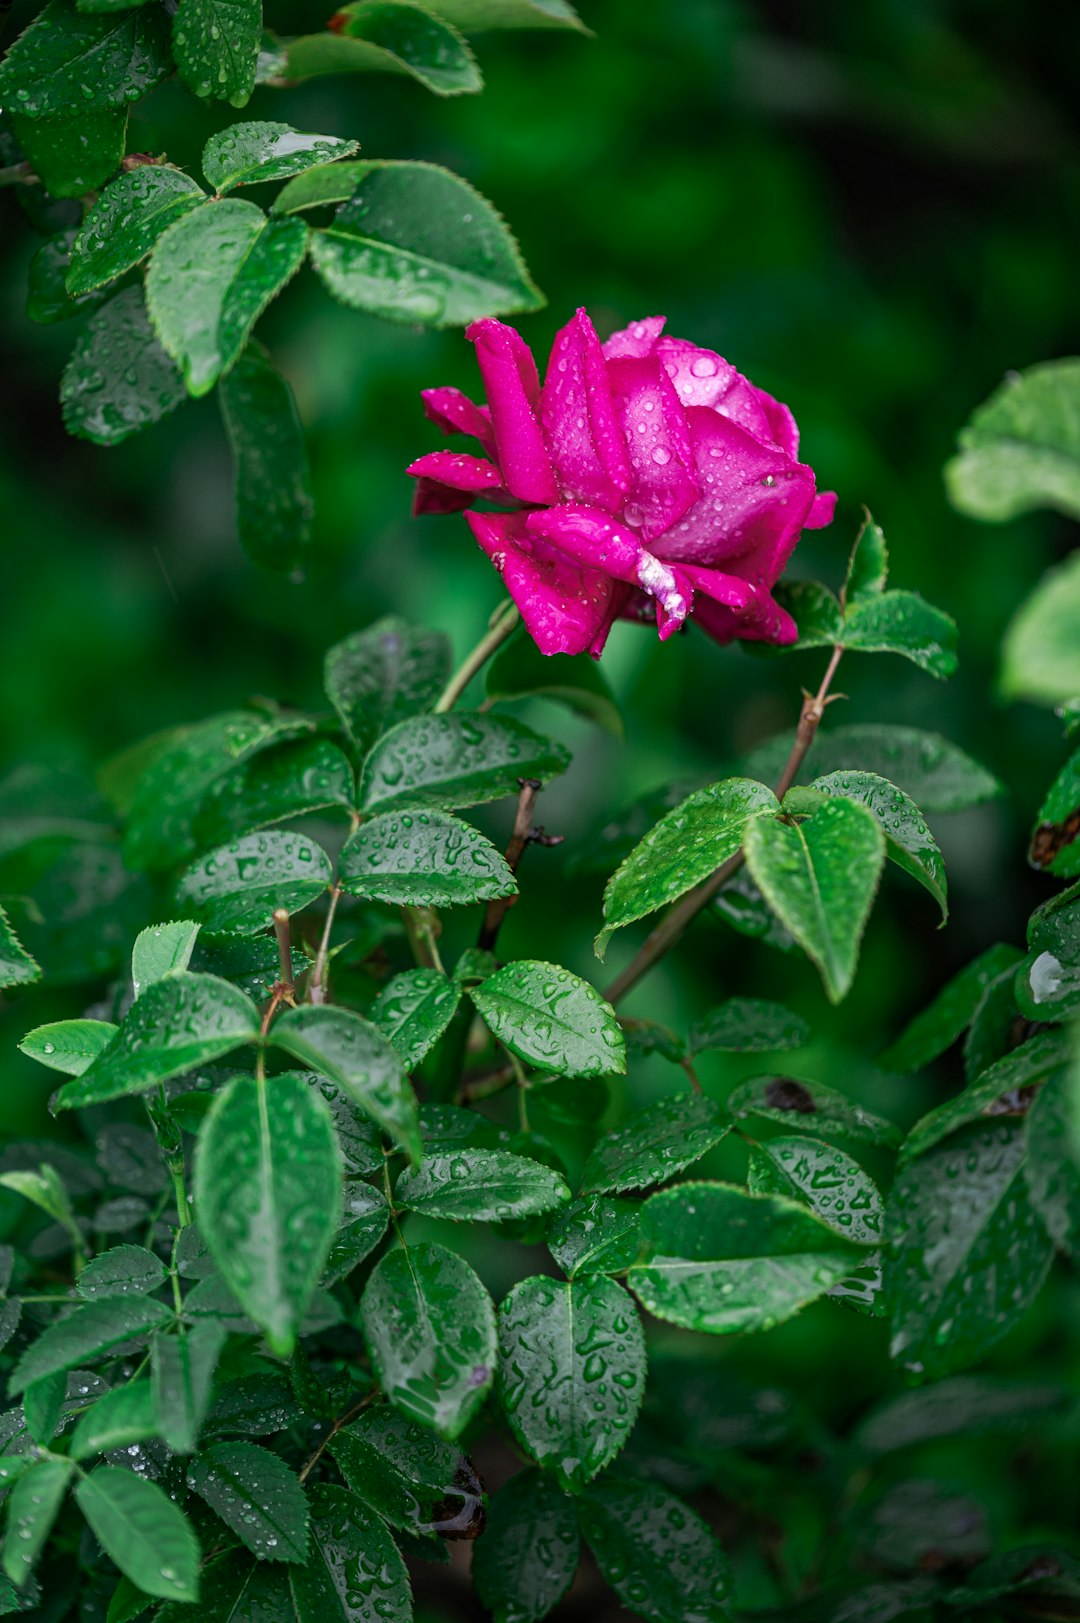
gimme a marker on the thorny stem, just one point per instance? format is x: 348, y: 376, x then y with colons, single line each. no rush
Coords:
x: 317, y: 978
x: 501, y: 624
x: 671, y: 927
x: 523, y: 834
x: 342, y: 1420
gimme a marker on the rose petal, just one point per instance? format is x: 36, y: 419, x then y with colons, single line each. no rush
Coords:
x: 663, y: 481
x: 581, y: 425
x: 763, y: 620
x: 455, y: 413
x: 701, y: 377
x: 513, y: 392
x: 449, y: 481
x: 636, y: 340
x: 782, y: 425
x: 596, y: 540
x: 822, y: 511
x: 566, y: 609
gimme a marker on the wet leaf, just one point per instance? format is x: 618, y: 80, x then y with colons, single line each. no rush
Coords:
x: 684, y: 848
x: 68, y: 58
x: 571, y: 1373
x: 429, y: 1326
x: 413, y: 1010
x: 353, y: 1054
x: 1006, y: 1088
x: 309, y: 775
x: 238, y: 888
x: 476, y: 15
x: 212, y: 274
x: 935, y: 773
x: 70, y: 1046
x: 966, y: 1404
x: 478, y: 1185
x: 1047, y: 983
x: 256, y: 1495
x: 1055, y: 839
x: 455, y: 761
x: 250, y: 154
x: 655, y: 1552
x: 820, y: 877
x: 812, y: 1108
x: 182, y: 1371
x: 595, y: 1235
x: 89, y: 1332
x: 126, y: 221
x: 552, y: 1019
x: 720, y: 1259
x: 748, y: 1025
x: 657, y: 1142
x: 354, y: 1573
x: 380, y: 36
x: 47, y: 297
x: 70, y: 156
x: 1053, y: 1160
x: 385, y: 674
x: 274, y: 503
x: 529, y: 1554
x: 830, y: 1183
x: 43, y: 1404
x: 1040, y: 659
x: 415, y: 243
x: 908, y: 841
x: 423, y: 859
x: 868, y: 566
x: 119, y: 379
x: 268, y: 1194
x: 159, y: 950
x: 216, y: 43
x: 139, y: 1527
x: 17, y: 968
x: 967, y: 1253
x: 366, y: 1219
x: 123, y: 1270
x: 178, y: 1023
x: 903, y: 623
x: 121, y: 1417
x: 938, y: 1026
x: 1021, y: 449
x: 34, y: 1506
x: 413, y: 1479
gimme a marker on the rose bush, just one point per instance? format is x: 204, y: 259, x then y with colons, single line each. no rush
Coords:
x: 647, y: 476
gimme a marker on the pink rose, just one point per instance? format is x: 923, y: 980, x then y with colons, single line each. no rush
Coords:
x: 646, y: 476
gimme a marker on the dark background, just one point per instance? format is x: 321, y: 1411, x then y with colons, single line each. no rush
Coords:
x: 871, y: 210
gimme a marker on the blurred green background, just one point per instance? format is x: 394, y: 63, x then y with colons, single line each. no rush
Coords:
x: 871, y: 210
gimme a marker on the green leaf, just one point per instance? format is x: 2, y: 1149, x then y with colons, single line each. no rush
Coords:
x: 34, y: 1505
x: 387, y: 36
x: 813, y: 1108
x: 552, y: 1019
x: 429, y: 1326
x: 139, y: 1527
x: 413, y: 1010
x: 238, y: 887
x: 454, y: 761
x: 249, y: 154
x: 216, y: 43
x: 159, y: 950
x: 176, y: 782
x: 212, y: 274
x: 182, y: 1373
x: 256, y: 1495
x: 119, y: 379
x: 724, y: 1260
x: 47, y: 297
x: 571, y: 1373
x: 268, y: 1194
x: 1047, y: 983
x: 121, y: 1417
x: 70, y: 156
x: 683, y: 848
x: 480, y: 1186
x: 968, y: 1253
x: 1055, y: 839
x: 656, y: 1553
x: 367, y: 1218
x: 595, y: 1235
x: 17, y: 968
x: 815, y: 610
x: 819, y: 877
x: 966, y: 1404
x: 748, y: 1025
x: 473, y: 16
x: 868, y: 566
x: 354, y: 1573
x: 1006, y: 1088
x: 903, y: 623
x: 290, y: 781
x: 385, y: 674
x: 520, y: 671
x: 126, y: 221
x: 830, y: 1183
x: 415, y: 243
x: 1021, y: 449
x: 68, y: 59
x: 123, y: 1270
x: 656, y: 1143
x: 44, y: 1188
x: 43, y: 1404
x: 87, y: 1333
x: 739, y: 903
x: 406, y: 1473
x: 178, y: 1023
x: 1040, y: 658
x: 937, y: 775
x: 908, y: 841
x: 423, y: 859
x: 1053, y: 1159
x: 938, y: 1026
x: 527, y: 1558
x: 274, y: 503
x: 355, y: 1055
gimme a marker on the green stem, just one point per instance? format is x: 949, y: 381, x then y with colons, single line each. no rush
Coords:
x: 502, y: 623
x: 317, y: 978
